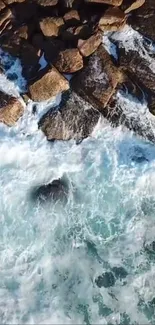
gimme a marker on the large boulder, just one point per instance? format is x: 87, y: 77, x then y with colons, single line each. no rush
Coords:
x: 11, y: 109
x: 75, y: 119
x: 143, y: 20
x: 49, y: 84
x: 90, y: 45
x: 97, y: 82
x: 69, y: 61
x: 50, y: 26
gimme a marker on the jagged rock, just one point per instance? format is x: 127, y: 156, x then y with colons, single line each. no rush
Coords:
x: 72, y: 18
x: 11, y: 109
x: 23, y: 32
x: 29, y: 59
x: 98, y: 80
x: 48, y: 85
x: 50, y: 26
x: 109, y: 2
x: 105, y: 280
x: 58, y: 190
x: 143, y: 20
x: 112, y: 20
x: 69, y: 61
x: 75, y: 119
x: 83, y: 32
x: 25, y: 11
x: 89, y: 46
x: 38, y: 41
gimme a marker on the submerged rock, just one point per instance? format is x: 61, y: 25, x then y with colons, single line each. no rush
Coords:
x: 120, y: 272
x: 105, y: 280
x: 56, y: 191
x: 75, y: 119
x: 50, y: 84
x: 11, y: 109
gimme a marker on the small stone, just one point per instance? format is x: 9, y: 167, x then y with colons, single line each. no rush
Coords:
x: 69, y: 61
x: 48, y: 85
x: 46, y: 3
x: 89, y: 46
x: 105, y: 280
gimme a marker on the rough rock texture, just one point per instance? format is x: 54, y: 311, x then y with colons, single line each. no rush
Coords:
x: 75, y: 119
x: 98, y: 80
x: 8, y: 2
x: 134, y: 5
x: 49, y: 85
x: 109, y: 2
x: 46, y: 3
x: 55, y: 191
x: 112, y: 20
x: 50, y: 26
x: 143, y: 20
x: 11, y: 109
x: 89, y: 46
x: 72, y: 18
x: 69, y: 61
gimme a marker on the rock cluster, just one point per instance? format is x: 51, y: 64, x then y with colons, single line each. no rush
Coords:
x: 68, y: 33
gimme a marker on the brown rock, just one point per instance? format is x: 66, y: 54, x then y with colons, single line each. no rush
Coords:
x: 135, y: 5
x: 72, y: 18
x: 46, y: 3
x: 143, y: 20
x: 11, y: 44
x: 69, y: 61
x: 5, y: 15
x: 8, y: 2
x: 2, y: 5
x: 89, y: 46
x: 112, y: 20
x: 52, y: 48
x: 50, y: 26
x: 97, y: 82
x: 49, y: 85
x: 23, y: 32
x: 11, y: 109
x: 75, y: 119
x: 38, y: 41
x: 109, y: 2
x: 83, y: 32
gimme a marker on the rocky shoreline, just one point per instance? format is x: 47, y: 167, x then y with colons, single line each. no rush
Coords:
x: 69, y: 35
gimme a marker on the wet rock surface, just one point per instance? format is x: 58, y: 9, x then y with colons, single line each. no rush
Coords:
x: 11, y: 109
x: 74, y: 119
x: 57, y: 190
x: 105, y: 280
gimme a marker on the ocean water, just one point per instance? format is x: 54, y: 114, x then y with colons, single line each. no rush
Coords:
x: 51, y: 255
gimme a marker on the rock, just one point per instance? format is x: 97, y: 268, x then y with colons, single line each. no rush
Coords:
x: 75, y: 119
x: 8, y: 2
x: 133, y: 6
x: 97, y: 82
x: 11, y: 44
x: 38, y: 41
x: 11, y: 109
x: 120, y: 272
x: 143, y: 20
x: 2, y: 5
x: 109, y: 2
x: 69, y: 61
x: 50, y: 26
x: 50, y: 84
x: 25, y: 12
x: 72, y: 18
x: 83, y: 31
x: 112, y: 20
x: 89, y: 46
x: 46, y: 3
x: 23, y: 32
x: 29, y: 60
x: 58, y: 190
x: 5, y: 16
x: 105, y: 280
x: 52, y: 48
